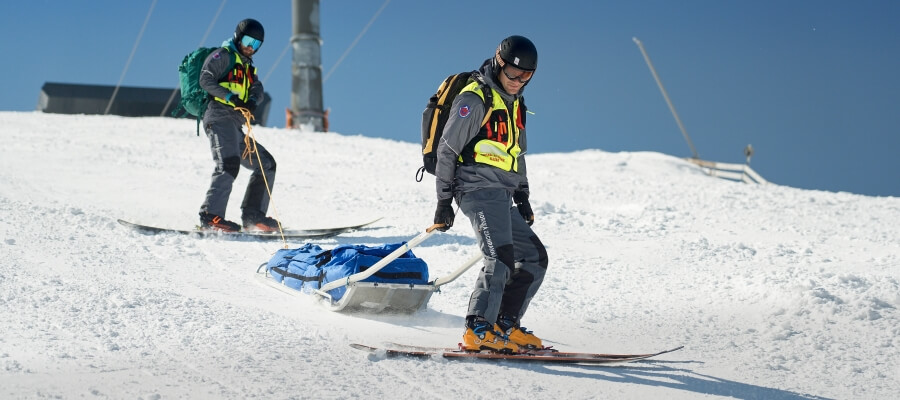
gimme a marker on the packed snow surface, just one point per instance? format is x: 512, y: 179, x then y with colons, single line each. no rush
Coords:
x: 775, y: 292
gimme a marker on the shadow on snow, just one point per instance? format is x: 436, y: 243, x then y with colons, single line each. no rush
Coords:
x: 657, y: 373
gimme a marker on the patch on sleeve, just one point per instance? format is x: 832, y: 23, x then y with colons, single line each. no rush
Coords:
x: 464, y: 111
x: 217, y: 54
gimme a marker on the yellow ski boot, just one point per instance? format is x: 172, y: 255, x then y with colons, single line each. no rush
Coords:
x: 517, y: 334
x: 481, y: 336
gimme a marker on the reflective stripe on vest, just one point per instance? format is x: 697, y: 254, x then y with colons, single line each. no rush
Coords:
x: 497, y: 142
x: 238, y: 80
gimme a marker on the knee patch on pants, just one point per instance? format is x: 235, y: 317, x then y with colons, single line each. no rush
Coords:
x: 231, y: 166
x: 270, y: 162
x: 506, y: 255
x: 543, y: 259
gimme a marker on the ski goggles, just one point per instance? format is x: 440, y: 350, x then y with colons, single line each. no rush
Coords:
x: 515, y: 74
x: 249, y: 41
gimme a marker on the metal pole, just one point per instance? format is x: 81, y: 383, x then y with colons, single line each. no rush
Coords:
x: 306, y: 69
x: 666, y: 96
x: 459, y: 271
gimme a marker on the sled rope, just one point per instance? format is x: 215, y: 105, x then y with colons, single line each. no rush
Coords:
x: 249, y: 149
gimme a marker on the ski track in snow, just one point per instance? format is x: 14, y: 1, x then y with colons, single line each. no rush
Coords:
x: 776, y: 292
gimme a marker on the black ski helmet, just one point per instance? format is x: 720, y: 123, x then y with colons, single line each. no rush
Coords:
x: 250, y: 27
x: 518, y: 51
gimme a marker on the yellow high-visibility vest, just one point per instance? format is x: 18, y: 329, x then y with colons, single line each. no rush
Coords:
x: 238, y: 80
x: 497, y: 142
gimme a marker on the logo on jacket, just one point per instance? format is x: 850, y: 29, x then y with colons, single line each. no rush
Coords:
x: 464, y: 111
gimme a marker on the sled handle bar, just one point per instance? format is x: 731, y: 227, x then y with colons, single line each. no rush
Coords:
x: 459, y: 271
x: 380, y: 264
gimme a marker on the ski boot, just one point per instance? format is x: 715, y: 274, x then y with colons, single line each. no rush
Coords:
x: 259, y: 223
x: 210, y: 222
x: 525, y: 339
x: 480, y: 335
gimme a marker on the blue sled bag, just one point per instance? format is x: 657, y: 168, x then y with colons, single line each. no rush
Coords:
x: 309, y: 267
x: 297, y: 268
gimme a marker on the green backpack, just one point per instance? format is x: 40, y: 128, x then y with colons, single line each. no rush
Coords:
x: 193, y: 98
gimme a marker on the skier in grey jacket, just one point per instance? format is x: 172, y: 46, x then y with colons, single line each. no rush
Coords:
x: 229, y: 76
x: 481, y: 163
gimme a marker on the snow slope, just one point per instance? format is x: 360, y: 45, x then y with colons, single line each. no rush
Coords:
x: 776, y: 293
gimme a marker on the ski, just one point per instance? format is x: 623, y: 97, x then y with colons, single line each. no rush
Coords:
x: 531, y: 351
x: 320, y: 233
x: 413, y: 347
x: 538, y: 356
x: 341, y: 229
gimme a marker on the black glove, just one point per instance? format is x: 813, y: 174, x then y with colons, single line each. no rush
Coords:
x: 251, y: 104
x: 236, y: 100
x: 521, y: 200
x: 444, y: 214
x: 238, y: 103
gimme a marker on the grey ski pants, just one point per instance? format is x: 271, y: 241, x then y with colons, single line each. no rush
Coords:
x: 515, y: 260
x: 226, y: 141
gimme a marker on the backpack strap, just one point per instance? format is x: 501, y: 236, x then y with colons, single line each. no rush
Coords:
x: 206, y: 101
x: 488, y: 99
x: 488, y: 94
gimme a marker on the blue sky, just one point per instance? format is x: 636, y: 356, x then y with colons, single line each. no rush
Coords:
x: 812, y: 85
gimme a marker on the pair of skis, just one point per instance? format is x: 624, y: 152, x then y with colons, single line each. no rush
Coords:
x: 395, y: 350
x: 292, y: 234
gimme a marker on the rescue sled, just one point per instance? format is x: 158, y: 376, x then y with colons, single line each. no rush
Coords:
x: 363, y: 292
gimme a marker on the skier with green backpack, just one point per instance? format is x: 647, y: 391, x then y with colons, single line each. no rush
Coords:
x: 229, y: 81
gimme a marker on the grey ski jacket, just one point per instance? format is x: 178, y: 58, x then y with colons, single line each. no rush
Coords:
x: 214, y: 69
x: 451, y: 177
